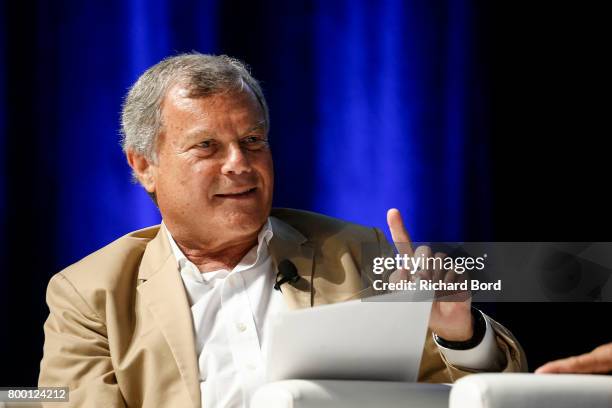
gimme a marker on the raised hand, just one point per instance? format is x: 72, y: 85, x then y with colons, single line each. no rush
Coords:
x: 451, y: 320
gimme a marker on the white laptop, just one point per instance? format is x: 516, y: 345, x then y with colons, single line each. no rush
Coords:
x: 378, y: 339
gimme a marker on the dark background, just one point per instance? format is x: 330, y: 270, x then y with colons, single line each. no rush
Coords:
x: 550, y: 157
x: 523, y: 121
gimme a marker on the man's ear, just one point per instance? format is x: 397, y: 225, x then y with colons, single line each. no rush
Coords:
x: 144, y: 170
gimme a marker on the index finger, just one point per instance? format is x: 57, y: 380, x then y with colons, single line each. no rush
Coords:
x: 400, y: 235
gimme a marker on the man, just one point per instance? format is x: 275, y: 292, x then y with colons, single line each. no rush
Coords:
x: 175, y: 315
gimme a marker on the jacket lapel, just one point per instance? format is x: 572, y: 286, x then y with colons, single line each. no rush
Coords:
x: 164, y: 295
x: 288, y: 243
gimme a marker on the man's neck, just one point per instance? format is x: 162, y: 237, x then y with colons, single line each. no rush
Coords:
x: 208, y: 258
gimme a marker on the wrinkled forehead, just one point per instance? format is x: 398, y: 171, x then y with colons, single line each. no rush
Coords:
x: 182, y: 94
x: 184, y: 97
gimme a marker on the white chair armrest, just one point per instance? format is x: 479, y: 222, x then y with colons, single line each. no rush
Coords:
x: 349, y: 394
x: 521, y: 390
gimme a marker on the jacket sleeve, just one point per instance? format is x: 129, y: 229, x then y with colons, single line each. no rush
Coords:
x: 76, y: 350
x: 436, y: 368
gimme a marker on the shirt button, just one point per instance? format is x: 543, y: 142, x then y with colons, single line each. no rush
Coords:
x: 241, y: 327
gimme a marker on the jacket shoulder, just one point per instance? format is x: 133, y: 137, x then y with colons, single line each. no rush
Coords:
x: 110, y: 266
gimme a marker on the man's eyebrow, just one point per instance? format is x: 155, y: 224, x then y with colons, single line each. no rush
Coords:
x: 198, y: 133
x: 259, y: 126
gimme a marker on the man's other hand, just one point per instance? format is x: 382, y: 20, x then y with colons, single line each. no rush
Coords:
x: 598, y: 361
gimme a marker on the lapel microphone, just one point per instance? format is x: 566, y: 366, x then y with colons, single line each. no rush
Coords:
x: 287, y: 272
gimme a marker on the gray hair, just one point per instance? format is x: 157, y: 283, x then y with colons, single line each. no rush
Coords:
x: 203, y: 75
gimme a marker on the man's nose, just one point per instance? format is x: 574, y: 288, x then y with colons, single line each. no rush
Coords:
x: 236, y: 161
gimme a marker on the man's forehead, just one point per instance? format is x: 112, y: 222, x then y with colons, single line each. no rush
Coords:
x: 182, y: 97
x: 193, y: 119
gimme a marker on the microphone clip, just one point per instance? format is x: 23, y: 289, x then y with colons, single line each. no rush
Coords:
x: 287, y: 272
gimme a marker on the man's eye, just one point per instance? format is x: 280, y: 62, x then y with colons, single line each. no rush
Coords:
x: 206, y: 148
x: 206, y: 144
x: 254, y: 142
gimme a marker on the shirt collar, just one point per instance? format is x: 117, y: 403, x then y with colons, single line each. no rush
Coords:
x: 254, y: 257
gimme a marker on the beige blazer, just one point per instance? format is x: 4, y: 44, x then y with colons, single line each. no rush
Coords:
x: 120, y: 330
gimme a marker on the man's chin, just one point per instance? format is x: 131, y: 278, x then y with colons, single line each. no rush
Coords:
x: 244, y: 221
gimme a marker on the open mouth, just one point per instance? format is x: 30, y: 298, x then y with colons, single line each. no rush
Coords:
x: 239, y: 194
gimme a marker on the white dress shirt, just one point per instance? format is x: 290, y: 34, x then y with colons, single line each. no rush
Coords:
x: 230, y: 312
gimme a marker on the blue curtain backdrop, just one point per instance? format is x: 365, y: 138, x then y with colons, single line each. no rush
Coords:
x: 374, y: 104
